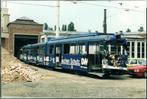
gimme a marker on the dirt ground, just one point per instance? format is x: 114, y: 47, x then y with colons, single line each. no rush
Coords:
x: 57, y: 84
x: 13, y: 69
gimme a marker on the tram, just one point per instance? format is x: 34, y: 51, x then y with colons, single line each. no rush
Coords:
x: 93, y: 53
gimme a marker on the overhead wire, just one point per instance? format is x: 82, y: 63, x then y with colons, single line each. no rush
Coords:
x: 112, y: 7
x: 33, y: 4
x: 81, y: 2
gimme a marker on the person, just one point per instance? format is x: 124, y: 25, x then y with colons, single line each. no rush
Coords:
x: 110, y: 58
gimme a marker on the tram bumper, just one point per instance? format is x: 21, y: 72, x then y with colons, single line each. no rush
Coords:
x: 114, y: 70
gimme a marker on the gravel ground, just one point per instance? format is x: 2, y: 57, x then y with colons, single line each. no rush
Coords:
x: 57, y: 84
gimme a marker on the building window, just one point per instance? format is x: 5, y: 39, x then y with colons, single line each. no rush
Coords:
x: 133, y: 49
x: 129, y: 49
x: 143, y: 50
x: 138, y: 49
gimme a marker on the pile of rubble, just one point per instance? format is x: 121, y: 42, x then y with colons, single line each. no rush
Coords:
x: 14, y: 70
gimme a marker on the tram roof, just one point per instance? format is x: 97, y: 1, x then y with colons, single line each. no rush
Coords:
x: 82, y: 35
x: 34, y: 45
x: 83, y: 38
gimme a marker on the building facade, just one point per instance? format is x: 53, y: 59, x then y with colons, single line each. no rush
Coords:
x: 137, y: 44
x: 18, y: 33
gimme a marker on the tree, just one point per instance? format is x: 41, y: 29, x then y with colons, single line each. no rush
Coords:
x: 141, y: 29
x: 71, y: 26
x: 51, y: 29
x: 55, y: 27
x: 128, y: 30
x: 45, y: 27
x: 65, y: 27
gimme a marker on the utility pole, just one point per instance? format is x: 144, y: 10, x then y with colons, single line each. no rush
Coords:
x: 105, y: 22
x: 58, y: 18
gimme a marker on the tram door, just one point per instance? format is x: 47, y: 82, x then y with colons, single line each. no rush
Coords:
x: 58, y: 54
x: 94, y: 57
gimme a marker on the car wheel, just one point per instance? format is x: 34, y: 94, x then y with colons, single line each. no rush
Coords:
x: 145, y: 74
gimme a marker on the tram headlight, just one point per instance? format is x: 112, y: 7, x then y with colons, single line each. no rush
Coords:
x: 105, y: 61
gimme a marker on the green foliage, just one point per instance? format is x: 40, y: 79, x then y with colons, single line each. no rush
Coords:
x: 45, y: 26
x: 55, y: 28
x: 141, y: 29
x: 128, y: 30
x: 64, y: 27
x: 71, y: 27
x: 51, y: 29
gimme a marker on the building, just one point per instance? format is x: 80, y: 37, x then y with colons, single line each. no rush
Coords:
x: 4, y: 30
x: 23, y: 31
x: 18, y: 33
x: 137, y: 44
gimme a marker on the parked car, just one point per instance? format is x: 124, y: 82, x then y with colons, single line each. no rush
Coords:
x: 138, y: 68
x: 134, y: 62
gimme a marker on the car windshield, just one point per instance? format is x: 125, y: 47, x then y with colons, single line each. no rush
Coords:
x: 134, y: 61
x: 137, y: 62
x: 143, y: 62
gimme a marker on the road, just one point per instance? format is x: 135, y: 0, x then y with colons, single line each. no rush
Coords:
x: 57, y: 84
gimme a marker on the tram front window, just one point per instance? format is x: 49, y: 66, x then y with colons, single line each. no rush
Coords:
x: 118, y: 50
x: 116, y: 55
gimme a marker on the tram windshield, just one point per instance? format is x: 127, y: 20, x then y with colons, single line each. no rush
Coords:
x: 117, y: 49
x: 116, y: 54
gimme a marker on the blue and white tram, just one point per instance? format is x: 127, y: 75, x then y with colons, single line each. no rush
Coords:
x: 93, y: 53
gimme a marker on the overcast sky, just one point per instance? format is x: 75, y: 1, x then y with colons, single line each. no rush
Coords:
x: 86, y: 15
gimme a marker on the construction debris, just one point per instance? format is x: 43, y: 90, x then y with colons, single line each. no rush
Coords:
x: 13, y: 69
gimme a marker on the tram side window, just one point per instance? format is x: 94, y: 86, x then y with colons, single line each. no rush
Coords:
x: 34, y: 51
x: 51, y: 50
x: 72, y: 49
x: 29, y: 51
x: 58, y: 49
x: 92, y: 49
x: 95, y: 48
x: 41, y: 51
x: 66, y: 48
x: 113, y: 49
x: 83, y: 49
x: 101, y: 48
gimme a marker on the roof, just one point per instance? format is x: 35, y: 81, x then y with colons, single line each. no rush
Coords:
x: 24, y: 20
x: 138, y: 35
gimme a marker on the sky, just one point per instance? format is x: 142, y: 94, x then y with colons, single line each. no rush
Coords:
x: 86, y: 15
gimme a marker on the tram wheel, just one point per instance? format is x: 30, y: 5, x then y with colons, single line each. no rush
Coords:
x: 106, y: 76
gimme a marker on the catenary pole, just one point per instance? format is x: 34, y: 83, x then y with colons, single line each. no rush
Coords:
x: 58, y: 18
